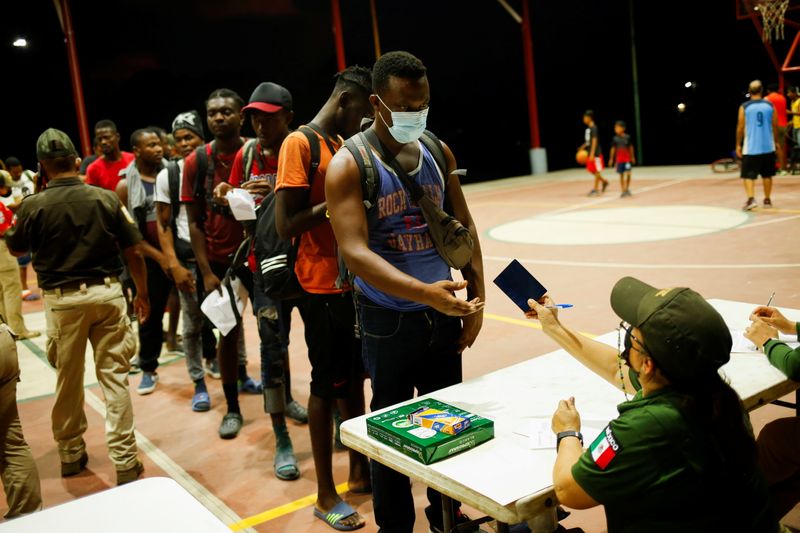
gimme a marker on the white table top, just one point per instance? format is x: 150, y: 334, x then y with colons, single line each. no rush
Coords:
x: 506, y: 479
x: 153, y: 505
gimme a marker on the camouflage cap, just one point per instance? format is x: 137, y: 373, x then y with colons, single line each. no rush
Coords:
x: 54, y: 143
x: 685, y: 335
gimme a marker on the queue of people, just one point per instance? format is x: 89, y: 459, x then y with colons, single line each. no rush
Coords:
x: 377, y: 298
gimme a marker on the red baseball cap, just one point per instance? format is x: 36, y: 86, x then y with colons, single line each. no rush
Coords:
x: 270, y: 98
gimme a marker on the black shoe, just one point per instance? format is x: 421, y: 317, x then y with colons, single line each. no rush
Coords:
x: 230, y: 426
x: 76, y: 467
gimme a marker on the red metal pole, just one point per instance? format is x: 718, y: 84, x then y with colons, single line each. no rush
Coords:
x: 530, y: 80
x: 338, y: 34
x: 75, y: 76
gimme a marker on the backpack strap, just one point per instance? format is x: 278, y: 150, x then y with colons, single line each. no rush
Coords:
x: 434, y: 146
x: 174, y: 183
x: 313, y: 143
x: 209, y: 177
x: 362, y: 154
x: 248, y: 159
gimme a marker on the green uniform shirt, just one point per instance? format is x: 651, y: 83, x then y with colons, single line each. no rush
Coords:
x: 648, y: 468
x: 74, y: 231
x: 784, y: 358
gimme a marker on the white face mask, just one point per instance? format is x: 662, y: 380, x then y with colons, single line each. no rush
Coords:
x: 407, y: 126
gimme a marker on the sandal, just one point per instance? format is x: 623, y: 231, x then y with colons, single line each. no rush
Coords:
x: 335, y: 516
x: 285, y: 463
x: 201, y: 402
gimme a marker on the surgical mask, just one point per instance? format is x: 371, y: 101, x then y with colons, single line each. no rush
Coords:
x: 407, y: 126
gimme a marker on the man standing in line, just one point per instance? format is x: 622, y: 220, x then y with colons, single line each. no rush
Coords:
x: 75, y: 234
x: 104, y: 172
x: 136, y: 190
x: 270, y: 113
x: 756, y: 144
x: 216, y: 234
x: 21, y: 186
x: 327, y: 308
x: 410, y: 318
x: 199, y: 343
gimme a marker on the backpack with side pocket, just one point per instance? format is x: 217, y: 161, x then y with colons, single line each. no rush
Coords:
x: 452, y: 240
x: 204, y: 181
x: 275, y: 257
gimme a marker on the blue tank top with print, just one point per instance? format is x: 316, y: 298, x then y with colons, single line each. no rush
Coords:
x: 398, y: 232
x: 758, y: 136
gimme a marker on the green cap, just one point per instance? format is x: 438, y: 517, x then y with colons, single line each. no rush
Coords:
x: 685, y: 335
x: 54, y: 143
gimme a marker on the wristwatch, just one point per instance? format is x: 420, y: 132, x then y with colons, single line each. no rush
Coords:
x: 565, y: 434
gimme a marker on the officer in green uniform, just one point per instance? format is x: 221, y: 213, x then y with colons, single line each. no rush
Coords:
x: 75, y: 232
x: 681, y: 455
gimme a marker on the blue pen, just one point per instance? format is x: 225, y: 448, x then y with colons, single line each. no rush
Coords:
x: 560, y: 306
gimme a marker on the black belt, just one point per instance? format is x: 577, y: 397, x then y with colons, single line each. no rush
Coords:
x: 81, y: 284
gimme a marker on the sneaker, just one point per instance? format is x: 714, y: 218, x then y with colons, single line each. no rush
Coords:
x: 297, y: 412
x: 28, y: 334
x: 593, y: 192
x: 435, y: 520
x: 131, y: 474
x: 31, y: 296
x: 76, y: 467
x: 767, y: 202
x: 211, y: 366
x: 135, y: 368
x: 782, y: 173
x: 625, y: 193
x: 750, y: 205
x: 148, y: 383
x: 250, y: 386
x: 230, y: 426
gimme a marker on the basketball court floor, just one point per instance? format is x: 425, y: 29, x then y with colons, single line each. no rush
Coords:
x: 683, y: 226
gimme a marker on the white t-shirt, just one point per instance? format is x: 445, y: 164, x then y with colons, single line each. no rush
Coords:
x: 19, y: 188
x: 162, y: 195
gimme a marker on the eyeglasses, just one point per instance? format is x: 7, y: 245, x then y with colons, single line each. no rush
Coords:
x: 626, y: 353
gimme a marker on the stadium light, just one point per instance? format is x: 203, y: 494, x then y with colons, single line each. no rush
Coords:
x: 20, y: 42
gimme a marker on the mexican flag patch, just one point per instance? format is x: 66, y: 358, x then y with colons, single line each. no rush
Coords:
x: 604, y: 448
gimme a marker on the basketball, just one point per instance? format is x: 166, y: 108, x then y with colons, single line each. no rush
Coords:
x: 581, y: 157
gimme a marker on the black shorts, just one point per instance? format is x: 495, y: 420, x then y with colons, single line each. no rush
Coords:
x: 333, y: 349
x: 763, y: 164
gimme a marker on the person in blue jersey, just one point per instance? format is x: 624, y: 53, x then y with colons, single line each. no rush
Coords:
x: 756, y: 143
x: 413, y: 326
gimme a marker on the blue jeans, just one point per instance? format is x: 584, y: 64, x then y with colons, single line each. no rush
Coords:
x: 404, y: 351
x: 274, y: 323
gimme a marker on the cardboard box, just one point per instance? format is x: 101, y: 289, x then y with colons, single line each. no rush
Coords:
x: 426, y: 445
x: 441, y: 421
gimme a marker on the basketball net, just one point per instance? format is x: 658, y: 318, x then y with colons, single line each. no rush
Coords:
x: 772, y: 15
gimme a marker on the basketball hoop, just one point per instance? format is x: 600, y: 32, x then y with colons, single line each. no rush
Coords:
x: 772, y: 17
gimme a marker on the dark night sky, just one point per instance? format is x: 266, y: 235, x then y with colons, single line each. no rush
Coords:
x: 144, y: 61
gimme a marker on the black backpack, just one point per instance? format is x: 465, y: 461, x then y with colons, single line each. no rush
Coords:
x: 183, y: 249
x: 275, y: 257
x: 204, y: 181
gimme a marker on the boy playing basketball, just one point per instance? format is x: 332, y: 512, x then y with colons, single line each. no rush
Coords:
x: 622, y: 153
x: 594, y: 164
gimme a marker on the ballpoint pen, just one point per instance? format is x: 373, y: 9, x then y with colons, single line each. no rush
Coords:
x: 559, y: 306
x: 770, y: 298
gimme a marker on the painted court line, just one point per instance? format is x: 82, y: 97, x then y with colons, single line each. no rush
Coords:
x: 216, y: 506
x: 765, y: 222
x: 277, y: 512
x: 676, y: 266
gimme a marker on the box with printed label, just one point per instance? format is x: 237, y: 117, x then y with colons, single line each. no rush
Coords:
x: 427, y: 445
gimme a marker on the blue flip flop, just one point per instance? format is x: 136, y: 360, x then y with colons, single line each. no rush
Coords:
x: 335, y: 516
x: 201, y: 402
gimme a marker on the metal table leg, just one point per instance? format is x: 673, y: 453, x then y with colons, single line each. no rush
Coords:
x: 448, y: 517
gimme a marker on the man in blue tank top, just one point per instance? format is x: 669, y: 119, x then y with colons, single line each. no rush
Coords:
x: 756, y: 143
x: 413, y: 326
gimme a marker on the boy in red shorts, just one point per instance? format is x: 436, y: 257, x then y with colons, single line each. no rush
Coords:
x: 622, y: 153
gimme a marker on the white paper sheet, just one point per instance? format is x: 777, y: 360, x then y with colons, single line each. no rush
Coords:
x: 242, y: 204
x: 540, y: 434
x: 217, y: 307
x: 742, y: 344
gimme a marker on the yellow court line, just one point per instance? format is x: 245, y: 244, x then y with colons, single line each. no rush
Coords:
x: 281, y: 510
x: 525, y: 323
